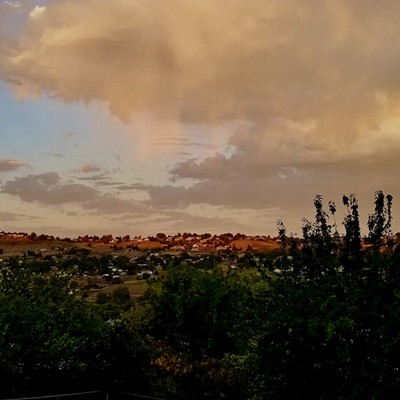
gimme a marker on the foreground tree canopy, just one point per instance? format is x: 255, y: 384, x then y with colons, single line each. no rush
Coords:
x: 318, y: 320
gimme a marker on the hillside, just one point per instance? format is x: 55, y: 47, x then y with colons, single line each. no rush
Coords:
x: 14, y: 244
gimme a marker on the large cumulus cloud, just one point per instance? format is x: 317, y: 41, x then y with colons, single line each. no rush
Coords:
x: 331, y: 62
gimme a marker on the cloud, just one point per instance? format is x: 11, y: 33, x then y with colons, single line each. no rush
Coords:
x: 126, y: 187
x: 209, y: 168
x: 101, y: 180
x: 47, y: 189
x: 89, y: 168
x: 332, y: 63
x: 12, y: 4
x: 189, y: 144
x: 111, y: 205
x: 7, y: 165
x: 93, y: 178
x: 181, y: 140
x: 184, y: 222
x: 37, y: 12
x: 302, y: 80
x: 6, y: 216
x: 69, y: 134
x: 246, y: 180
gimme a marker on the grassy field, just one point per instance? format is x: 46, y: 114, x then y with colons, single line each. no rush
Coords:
x: 136, y: 287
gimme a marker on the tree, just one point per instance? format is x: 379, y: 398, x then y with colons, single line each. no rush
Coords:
x: 351, y: 223
x: 202, y: 320
x: 379, y: 223
x: 49, y: 340
x: 333, y: 334
x: 121, y: 295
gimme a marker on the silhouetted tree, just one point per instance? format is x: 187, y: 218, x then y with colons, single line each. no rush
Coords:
x: 379, y: 223
x: 281, y: 233
x: 351, y: 224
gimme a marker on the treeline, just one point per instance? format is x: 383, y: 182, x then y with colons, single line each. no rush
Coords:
x: 318, y: 320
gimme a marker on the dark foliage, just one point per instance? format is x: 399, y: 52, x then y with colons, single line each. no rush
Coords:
x: 49, y: 341
x: 318, y: 320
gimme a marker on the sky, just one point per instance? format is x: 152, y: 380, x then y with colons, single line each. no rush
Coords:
x: 145, y: 116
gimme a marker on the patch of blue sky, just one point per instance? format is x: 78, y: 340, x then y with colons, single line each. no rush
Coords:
x: 52, y: 136
x: 36, y: 126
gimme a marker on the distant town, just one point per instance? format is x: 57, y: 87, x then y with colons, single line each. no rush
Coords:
x: 100, y: 264
x: 14, y: 242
